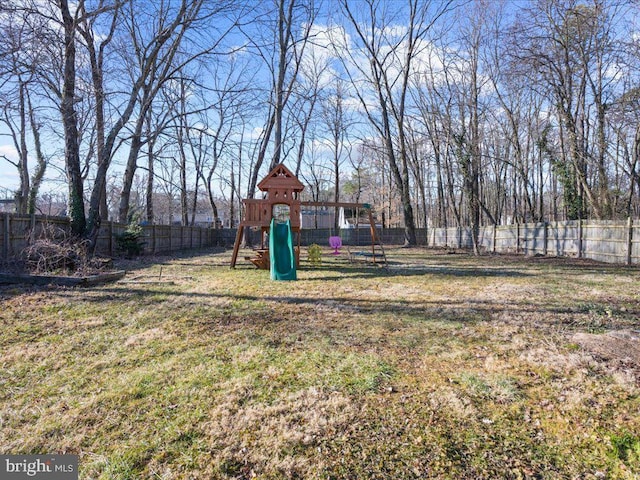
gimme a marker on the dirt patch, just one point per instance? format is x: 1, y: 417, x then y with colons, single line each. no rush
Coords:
x: 619, y: 348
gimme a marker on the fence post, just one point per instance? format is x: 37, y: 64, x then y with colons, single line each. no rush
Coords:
x: 518, y: 247
x: 6, y: 233
x: 493, y: 240
x: 629, y: 239
x: 545, y: 239
x: 580, y: 238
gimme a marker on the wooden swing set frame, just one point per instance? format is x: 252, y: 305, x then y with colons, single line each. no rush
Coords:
x: 282, y: 188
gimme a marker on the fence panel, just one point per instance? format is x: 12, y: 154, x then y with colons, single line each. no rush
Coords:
x: 634, y: 243
x: 318, y: 236
x: 185, y: 238
x: 149, y: 239
x: 106, y: 243
x: 485, y: 237
x: 605, y: 241
x: 564, y: 238
x: 534, y: 238
x: 357, y: 236
x: 395, y: 236
x: 19, y: 232
x: 507, y: 238
x: 224, y: 237
x: 438, y: 237
x: 163, y: 239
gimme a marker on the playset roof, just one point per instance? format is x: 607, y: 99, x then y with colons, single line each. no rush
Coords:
x: 280, y: 178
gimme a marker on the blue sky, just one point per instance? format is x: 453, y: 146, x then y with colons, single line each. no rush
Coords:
x: 8, y: 174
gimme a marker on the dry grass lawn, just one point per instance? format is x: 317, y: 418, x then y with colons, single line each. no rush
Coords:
x: 441, y: 366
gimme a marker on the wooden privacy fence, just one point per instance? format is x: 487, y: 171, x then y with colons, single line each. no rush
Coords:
x: 18, y: 230
x: 608, y: 241
x: 605, y: 241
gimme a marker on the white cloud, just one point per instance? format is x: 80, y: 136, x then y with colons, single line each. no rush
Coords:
x: 255, y: 134
x: 10, y: 152
x: 320, y: 54
x: 9, y: 178
x: 392, y: 32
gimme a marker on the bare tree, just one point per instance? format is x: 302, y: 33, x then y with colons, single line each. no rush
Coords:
x: 96, y: 52
x: 562, y: 46
x: 157, y: 62
x: 19, y: 120
x: 70, y: 121
x: 231, y: 100
x: 336, y: 121
x: 390, y: 54
x: 281, y: 47
x: 314, y: 75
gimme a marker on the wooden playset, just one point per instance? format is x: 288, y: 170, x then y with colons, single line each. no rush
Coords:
x: 282, y: 199
x: 281, y: 187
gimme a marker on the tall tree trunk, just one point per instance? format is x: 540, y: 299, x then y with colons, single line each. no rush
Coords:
x: 69, y: 121
x: 284, y: 39
x: 134, y: 153
x: 184, y: 207
x: 473, y: 180
x: 129, y: 174
x: 38, y: 174
x: 150, y: 170
x: 262, y: 152
x: 98, y: 209
x: 212, y: 199
x: 441, y: 219
x: 232, y: 206
x: 23, y: 167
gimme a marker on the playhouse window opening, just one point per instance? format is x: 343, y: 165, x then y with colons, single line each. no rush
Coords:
x: 281, y: 212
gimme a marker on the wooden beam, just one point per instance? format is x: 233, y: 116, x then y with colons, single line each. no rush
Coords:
x: 373, y: 235
x: 236, y: 246
x: 336, y: 204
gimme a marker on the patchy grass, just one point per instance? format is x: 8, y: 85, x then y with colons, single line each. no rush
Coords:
x: 442, y: 366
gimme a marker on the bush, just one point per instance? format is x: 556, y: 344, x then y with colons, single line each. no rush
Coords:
x: 130, y: 243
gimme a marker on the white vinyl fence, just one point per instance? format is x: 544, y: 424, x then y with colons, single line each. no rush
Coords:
x: 605, y: 241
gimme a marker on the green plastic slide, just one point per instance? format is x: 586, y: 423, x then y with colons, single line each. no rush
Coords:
x: 281, y: 253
